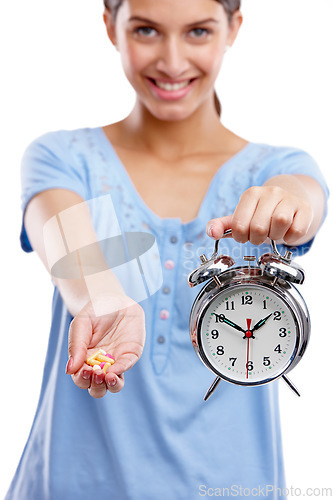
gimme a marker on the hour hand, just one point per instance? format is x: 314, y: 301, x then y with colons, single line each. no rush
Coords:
x: 261, y: 323
x: 231, y: 323
x: 220, y: 318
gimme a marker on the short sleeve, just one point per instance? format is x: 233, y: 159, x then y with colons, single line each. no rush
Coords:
x: 293, y: 161
x: 48, y: 163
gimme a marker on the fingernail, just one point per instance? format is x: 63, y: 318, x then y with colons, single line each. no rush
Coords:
x: 69, y: 365
x: 112, y: 382
x: 209, y: 230
x: 86, y: 374
x: 99, y: 378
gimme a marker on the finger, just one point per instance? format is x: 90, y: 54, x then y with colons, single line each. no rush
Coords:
x: 261, y: 222
x: 114, y: 374
x: 82, y: 378
x: 114, y: 383
x: 125, y: 361
x: 300, y: 226
x: 79, y: 337
x: 97, y: 388
x: 216, y: 227
x: 282, y: 219
x: 243, y: 214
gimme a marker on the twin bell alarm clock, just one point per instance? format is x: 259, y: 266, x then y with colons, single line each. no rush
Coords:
x: 249, y: 325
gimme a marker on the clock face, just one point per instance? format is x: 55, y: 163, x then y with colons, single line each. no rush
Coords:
x: 248, y: 334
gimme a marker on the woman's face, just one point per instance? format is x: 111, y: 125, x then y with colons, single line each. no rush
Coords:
x: 171, y: 51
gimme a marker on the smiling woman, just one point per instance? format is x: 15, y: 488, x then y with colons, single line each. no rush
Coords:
x: 200, y: 32
x: 169, y: 168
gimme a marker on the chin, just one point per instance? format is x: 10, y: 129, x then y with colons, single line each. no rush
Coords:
x: 170, y: 113
x: 172, y: 117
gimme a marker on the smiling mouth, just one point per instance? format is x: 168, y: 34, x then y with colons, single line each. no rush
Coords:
x: 171, y: 87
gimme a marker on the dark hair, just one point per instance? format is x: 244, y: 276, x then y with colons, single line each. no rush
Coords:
x: 230, y: 7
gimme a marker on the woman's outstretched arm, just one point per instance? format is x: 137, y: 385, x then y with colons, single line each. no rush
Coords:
x: 103, y: 319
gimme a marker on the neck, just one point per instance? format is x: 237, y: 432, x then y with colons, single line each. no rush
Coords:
x: 174, y: 139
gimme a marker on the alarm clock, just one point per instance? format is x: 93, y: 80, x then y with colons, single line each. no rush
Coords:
x: 249, y: 325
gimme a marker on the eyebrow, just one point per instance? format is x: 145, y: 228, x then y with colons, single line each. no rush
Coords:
x: 149, y: 21
x: 203, y: 21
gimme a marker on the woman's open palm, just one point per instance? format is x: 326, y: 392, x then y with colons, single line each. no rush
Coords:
x: 120, y: 333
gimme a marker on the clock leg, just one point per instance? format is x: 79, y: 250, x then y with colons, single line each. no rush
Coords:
x: 290, y: 384
x: 212, y: 388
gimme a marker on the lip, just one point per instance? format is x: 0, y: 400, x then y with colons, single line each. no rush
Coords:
x: 171, y: 95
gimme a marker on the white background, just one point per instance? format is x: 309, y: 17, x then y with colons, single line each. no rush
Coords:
x: 60, y: 71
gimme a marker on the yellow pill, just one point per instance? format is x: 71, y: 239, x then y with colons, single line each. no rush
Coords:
x: 100, y: 357
x: 93, y: 362
x: 93, y: 356
x: 106, y: 366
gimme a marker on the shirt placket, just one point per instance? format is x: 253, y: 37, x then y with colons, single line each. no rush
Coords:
x: 162, y: 332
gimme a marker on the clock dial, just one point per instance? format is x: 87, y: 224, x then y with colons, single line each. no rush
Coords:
x: 248, y: 334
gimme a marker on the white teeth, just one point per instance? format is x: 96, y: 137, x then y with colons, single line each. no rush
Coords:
x: 171, y: 86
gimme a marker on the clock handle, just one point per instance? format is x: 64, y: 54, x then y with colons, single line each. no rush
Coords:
x: 212, y: 388
x: 286, y: 257
x: 226, y: 234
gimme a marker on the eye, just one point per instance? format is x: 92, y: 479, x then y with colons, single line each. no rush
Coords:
x: 146, y: 31
x: 199, y: 32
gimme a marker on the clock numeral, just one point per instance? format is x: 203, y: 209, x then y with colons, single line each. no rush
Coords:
x: 249, y: 366
x: 230, y: 306
x: 265, y: 304
x: 266, y: 361
x: 233, y: 361
x: 220, y: 350
x: 278, y: 349
x: 283, y: 332
x: 277, y: 315
x: 246, y: 300
x: 219, y: 318
x: 214, y: 334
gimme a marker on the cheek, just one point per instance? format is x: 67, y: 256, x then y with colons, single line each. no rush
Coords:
x: 217, y: 57
x: 210, y: 60
x: 135, y: 59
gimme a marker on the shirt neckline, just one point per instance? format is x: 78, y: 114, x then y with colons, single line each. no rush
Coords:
x: 198, y: 221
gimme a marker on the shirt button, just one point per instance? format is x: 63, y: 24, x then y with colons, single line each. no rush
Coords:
x: 164, y: 314
x: 173, y: 239
x: 169, y: 264
x: 166, y: 290
x: 161, y: 339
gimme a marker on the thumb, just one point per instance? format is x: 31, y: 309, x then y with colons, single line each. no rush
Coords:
x: 79, y: 337
x: 216, y: 227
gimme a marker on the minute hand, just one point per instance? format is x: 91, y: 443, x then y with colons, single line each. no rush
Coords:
x: 261, y: 323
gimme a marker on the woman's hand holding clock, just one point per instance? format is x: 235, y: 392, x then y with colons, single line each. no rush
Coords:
x: 287, y: 208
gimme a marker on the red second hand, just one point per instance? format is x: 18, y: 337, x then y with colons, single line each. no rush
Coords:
x: 248, y: 335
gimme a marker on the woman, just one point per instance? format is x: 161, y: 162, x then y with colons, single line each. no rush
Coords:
x: 170, y: 167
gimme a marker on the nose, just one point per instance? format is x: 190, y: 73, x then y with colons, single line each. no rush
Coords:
x: 173, y: 58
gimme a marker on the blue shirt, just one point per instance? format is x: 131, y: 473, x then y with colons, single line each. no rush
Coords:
x: 156, y: 438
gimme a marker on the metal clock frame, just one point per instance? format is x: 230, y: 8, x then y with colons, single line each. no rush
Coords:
x: 241, y: 276
x: 274, y: 272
